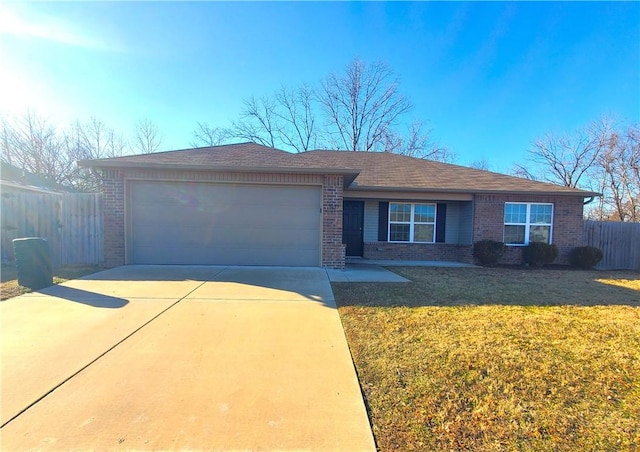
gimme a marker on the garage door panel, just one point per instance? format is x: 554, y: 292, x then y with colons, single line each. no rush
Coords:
x: 184, y: 236
x: 205, y: 223
x: 226, y: 255
x: 213, y: 217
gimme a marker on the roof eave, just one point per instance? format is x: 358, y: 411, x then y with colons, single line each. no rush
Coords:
x: 348, y: 174
x: 584, y: 194
x: 31, y: 188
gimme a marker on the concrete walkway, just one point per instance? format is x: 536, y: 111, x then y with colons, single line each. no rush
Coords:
x: 364, y: 273
x: 400, y: 263
x: 370, y: 270
x: 180, y: 358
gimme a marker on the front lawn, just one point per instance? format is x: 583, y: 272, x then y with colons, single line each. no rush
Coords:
x: 498, y: 359
x: 10, y: 288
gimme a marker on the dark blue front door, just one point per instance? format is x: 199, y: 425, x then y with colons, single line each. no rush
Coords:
x: 352, y: 223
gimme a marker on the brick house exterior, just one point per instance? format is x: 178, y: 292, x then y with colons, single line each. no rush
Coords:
x: 470, y: 203
x: 114, y: 183
x: 568, y: 222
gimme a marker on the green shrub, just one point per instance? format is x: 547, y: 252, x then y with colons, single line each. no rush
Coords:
x: 585, y: 257
x: 488, y: 252
x: 538, y: 254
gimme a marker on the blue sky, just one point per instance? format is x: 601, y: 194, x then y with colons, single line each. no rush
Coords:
x: 488, y: 77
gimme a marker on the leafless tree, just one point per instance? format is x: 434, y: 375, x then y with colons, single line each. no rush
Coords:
x: 603, y: 157
x: 362, y: 106
x: 566, y: 159
x: 360, y: 109
x: 285, y: 119
x: 93, y: 139
x: 258, y: 121
x: 618, y: 168
x: 417, y: 142
x: 206, y: 135
x: 90, y: 140
x: 481, y: 164
x: 148, y: 138
x: 297, y: 117
x: 33, y: 143
x: 522, y: 171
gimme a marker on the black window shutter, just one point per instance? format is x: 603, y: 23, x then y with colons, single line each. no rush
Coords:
x: 441, y: 218
x: 383, y: 221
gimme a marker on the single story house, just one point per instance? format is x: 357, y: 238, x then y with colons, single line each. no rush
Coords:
x: 248, y: 204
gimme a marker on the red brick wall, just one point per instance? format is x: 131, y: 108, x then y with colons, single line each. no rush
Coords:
x: 114, y: 227
x: 418, y: 251
x: 333, y: 251
x: 113, y: 188
x: 488, y: 222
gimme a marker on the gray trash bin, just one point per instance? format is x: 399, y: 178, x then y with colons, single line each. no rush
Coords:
x: 33, y: 262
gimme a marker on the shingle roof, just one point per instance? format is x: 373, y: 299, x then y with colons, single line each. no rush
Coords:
x: 383, y: 170
x: 374, y: 170
x: 230, y: 155
x: 12, y: 175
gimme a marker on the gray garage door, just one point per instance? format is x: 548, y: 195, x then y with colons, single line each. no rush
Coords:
x: 228, y: 224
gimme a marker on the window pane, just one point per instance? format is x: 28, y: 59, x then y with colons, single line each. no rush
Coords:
x: 515, y: 213
x: 425, y: 213
x: 539, y: 234
x: 398, y: 232
x: 540, y: 213
x: 400, y: 212
x: 514, y: 235
x: 423, y: 233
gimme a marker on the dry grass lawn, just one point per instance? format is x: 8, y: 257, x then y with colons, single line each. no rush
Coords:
x: 10, y: 288
x: 498, y: 359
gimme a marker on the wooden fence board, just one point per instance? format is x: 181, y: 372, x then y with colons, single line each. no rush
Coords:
x: 619, y: 242
x: 72, y: 223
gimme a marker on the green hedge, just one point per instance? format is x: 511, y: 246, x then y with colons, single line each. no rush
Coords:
x: 585, y: 257
x: 488, y: 252
x: 538, y: 254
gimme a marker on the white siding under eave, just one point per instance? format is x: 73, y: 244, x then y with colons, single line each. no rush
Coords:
x: 459, y: 227
x: 465, y: 220
x: 370, y: 221
x: 452, y: 224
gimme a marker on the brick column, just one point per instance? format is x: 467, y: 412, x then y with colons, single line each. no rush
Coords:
x: 114, y: 228
x: 333, y: 251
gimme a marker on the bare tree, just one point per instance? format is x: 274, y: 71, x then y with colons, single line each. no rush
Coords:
x: 95, y: 140
x: 285, y: 119
x: 603, y: 157
x: 362, y: 105
x: 522, y: 171
x: 32, y: 143
x: 206, y: 135
x: 360, y: 109
x: 298, y: 120
x: 258, y: 121
x: 619, y: 169
x: 90, y: 140
x: 567, y: 159
x: 417, y: 142
x: 481, y: 164
x: 147, y: 137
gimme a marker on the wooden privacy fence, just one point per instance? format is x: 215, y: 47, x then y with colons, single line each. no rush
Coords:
x: 619, y: 242
x: 72, y: 223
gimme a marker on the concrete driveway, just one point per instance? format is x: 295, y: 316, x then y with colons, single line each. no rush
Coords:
x: 180, y: 358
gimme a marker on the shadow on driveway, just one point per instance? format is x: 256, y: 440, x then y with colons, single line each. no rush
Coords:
x: 82, y: 296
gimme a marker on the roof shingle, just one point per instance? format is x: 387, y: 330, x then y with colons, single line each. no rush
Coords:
x: 375, y: 170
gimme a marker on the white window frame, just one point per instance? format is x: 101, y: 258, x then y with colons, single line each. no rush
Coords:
x: 527, y: 224
x: 412, y: 222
